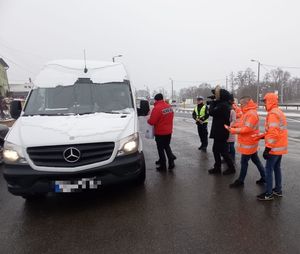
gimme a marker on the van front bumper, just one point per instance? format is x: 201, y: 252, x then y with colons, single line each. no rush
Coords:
x: 23, y: 180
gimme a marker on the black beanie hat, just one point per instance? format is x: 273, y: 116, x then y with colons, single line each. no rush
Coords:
x: 158, y: 97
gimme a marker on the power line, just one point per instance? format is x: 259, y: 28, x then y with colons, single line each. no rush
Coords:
x: 13, y: 62
x: 197, y: 81
x: 262, y: 65
x: 21, y: 51
x: 282, y: 67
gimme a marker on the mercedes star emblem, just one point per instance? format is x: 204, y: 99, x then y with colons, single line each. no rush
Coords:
x: 72, y: 154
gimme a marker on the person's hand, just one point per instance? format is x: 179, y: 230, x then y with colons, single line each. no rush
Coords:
x: 266, y: 153
x: 257, y: 137
x: 227, y: 127
x: 200, y: 121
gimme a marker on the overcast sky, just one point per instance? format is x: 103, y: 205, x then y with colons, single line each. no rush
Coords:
x: 201, y: 40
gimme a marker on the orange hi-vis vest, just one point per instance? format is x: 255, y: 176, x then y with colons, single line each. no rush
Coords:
x: 276, y: 136
x: 246, y: 128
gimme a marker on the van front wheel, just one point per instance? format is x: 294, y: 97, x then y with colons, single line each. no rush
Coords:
x: 142, y: 176
x: 33, y: 197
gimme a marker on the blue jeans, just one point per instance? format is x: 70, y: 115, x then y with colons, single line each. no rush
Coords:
x: 231, y: 150
x: 273, y: 164
x: 244, y: 165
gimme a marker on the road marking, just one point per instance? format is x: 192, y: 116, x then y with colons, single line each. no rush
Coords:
x: 292, y: 120
x: 192, y: 121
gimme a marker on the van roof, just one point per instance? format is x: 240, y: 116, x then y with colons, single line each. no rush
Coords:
x: 66, y: 72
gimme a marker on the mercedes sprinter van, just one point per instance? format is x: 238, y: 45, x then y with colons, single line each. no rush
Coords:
x: 78, y: 130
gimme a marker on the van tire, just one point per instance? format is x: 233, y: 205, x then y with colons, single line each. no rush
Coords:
x: 33, y: 197
x: 142, y: 176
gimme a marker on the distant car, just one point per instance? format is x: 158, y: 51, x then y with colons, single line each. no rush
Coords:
x: 174, y: 104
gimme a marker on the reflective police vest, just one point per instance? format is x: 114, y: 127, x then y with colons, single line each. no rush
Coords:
x: 201, y: 113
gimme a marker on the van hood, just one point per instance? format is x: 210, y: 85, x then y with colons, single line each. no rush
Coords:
x: 77, y: 129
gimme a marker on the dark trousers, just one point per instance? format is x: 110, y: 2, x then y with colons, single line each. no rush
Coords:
x: 220, y: 148
x: 203, y: 134
x: 163, y: 145
x: 244, y: 165
x: 273, y: 164
x: 231, y: 150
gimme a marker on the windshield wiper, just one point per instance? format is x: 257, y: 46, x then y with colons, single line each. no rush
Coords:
x: 86, y: 113
x: 38, y: 115
x: 110, y: 112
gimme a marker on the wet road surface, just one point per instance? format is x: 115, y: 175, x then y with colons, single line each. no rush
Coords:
x: 184, y: 211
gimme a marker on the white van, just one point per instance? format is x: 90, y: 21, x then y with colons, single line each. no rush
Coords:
x: 78, y: 130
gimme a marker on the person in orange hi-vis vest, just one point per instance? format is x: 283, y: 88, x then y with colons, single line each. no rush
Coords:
x: 276, y: 144
x: 247, y: 145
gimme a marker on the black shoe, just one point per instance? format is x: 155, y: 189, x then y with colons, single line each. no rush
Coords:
x: 236, y: 184
x: 161, y: 168
x: 229, y: 171
x: 265, y: 197
x: 157, y: 162
x: 261, y: 181
x: 200, y: 148
x: 174, y: 157
x: 277, y: 193
x: 171, y: 165
x: 214, y: 171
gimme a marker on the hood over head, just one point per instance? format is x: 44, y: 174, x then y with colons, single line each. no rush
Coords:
x: 271, y: 101
x: 222, y: 94
x: 249, y: 106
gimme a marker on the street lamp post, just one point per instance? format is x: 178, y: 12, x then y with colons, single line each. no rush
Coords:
x: 258, y: 73
x: 281, y: 93
x: 114, y: 57
x: 172, y: 91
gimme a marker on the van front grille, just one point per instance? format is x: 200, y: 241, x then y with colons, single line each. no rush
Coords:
x: 70, y: 155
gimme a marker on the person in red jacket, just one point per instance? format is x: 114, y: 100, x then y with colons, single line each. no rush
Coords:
x: 161, y: 118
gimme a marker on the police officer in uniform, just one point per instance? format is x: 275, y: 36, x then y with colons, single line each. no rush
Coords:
x: 200, y: 115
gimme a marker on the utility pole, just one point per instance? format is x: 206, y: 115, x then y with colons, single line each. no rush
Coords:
x: 226, y: 83
x: 281, y: 93
x: 258, y: 73
x: 172, y: 93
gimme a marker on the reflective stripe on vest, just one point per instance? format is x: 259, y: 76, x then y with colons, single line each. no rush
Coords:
x: 279, y: 149
x: 248, y: 146
x: 248, y: 124
x: 281, y: 124
x: 271, y: 141
x: 201, y: 113
x: 253, y: 126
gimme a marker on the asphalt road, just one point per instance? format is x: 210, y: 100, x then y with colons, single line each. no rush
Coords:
x: 184, y: 211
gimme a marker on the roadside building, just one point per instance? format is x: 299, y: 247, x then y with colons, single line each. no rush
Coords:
x: 20, y: 90
x: 4, y: 87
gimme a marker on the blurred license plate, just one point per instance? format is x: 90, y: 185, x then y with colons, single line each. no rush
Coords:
x: 77, y: 185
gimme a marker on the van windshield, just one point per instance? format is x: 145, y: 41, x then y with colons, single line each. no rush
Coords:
x: 84, y: 97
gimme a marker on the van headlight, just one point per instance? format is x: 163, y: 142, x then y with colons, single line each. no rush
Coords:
x: 129, y: 145
x: 13, y: 154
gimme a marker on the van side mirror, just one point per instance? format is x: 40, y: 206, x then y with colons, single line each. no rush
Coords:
x: 15, y: 109
x: 144, y: 108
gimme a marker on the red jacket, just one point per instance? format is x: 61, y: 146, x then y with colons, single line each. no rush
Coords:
x: 162, y: 118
